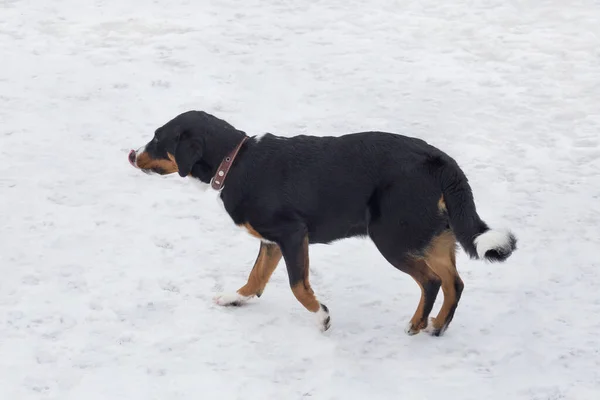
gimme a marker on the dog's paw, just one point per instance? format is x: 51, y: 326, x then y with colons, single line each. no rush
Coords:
x: 411, y: 329
x: 433, y: 329
x: 230, y: 299
x: 323, y: 318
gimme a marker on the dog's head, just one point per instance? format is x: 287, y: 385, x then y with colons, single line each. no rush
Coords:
x: 181, y: 145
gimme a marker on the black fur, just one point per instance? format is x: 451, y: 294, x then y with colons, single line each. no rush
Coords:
x: 464, y: 221
x: 188, y: 152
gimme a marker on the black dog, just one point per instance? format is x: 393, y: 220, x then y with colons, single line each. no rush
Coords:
x: 410, y: 198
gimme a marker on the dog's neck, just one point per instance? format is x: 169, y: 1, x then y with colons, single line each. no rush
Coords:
x: 216, y: 149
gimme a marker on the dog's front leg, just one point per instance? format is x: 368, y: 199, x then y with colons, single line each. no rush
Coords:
x: 266, y: 262
x: 295, y: 252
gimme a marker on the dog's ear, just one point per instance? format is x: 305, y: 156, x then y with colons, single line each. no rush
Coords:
x: 188, y: 152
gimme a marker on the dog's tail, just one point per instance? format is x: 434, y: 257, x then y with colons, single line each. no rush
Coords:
x: 473, y: 234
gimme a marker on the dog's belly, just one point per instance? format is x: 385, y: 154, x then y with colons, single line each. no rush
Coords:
x: 334, y: 229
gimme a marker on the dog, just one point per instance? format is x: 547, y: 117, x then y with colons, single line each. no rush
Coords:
x: 410, y: 198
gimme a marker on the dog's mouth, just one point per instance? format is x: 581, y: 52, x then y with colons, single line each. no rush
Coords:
x: 153, y: 171
x: 142, y: 161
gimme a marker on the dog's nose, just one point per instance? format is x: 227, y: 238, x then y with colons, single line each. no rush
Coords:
x: 132, y: 157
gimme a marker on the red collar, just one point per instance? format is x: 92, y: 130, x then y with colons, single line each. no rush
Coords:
x: 218, y: 180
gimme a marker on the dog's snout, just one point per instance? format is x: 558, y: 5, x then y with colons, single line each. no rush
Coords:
x: 131, y: 157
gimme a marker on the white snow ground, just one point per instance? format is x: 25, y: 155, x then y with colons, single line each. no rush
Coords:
x: 107, y: 275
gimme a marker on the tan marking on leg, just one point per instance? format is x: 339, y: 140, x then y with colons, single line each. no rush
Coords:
x: 417, y: 322
x: 418, y: 269
x: 441, y: 258
x: 306, y: 296
x: 251, y: 230
x: 169, y: 166
x: 302, y: 290
x: 266, y: 262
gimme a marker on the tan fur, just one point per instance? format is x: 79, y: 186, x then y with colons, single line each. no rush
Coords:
x: 251, y: 230
x: 417, y: 322
x: 441, y: 258
x: 302, y: 290
x: 417, y: 268
x: 266, y: 262
x: 169, y: 166
x: 306, y: 296
x: 442, y: 205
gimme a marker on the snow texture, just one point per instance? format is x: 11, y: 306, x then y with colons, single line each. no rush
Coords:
x: 107, y: 274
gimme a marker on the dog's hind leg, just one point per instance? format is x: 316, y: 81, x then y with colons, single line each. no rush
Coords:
x: 402, y: 223
x: 429, y: 283
x: 441, y: 258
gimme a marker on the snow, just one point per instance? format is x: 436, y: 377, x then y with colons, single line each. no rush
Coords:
x: 108, y: 275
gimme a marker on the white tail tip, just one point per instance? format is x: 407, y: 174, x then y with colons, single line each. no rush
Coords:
x: 495, y: 245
